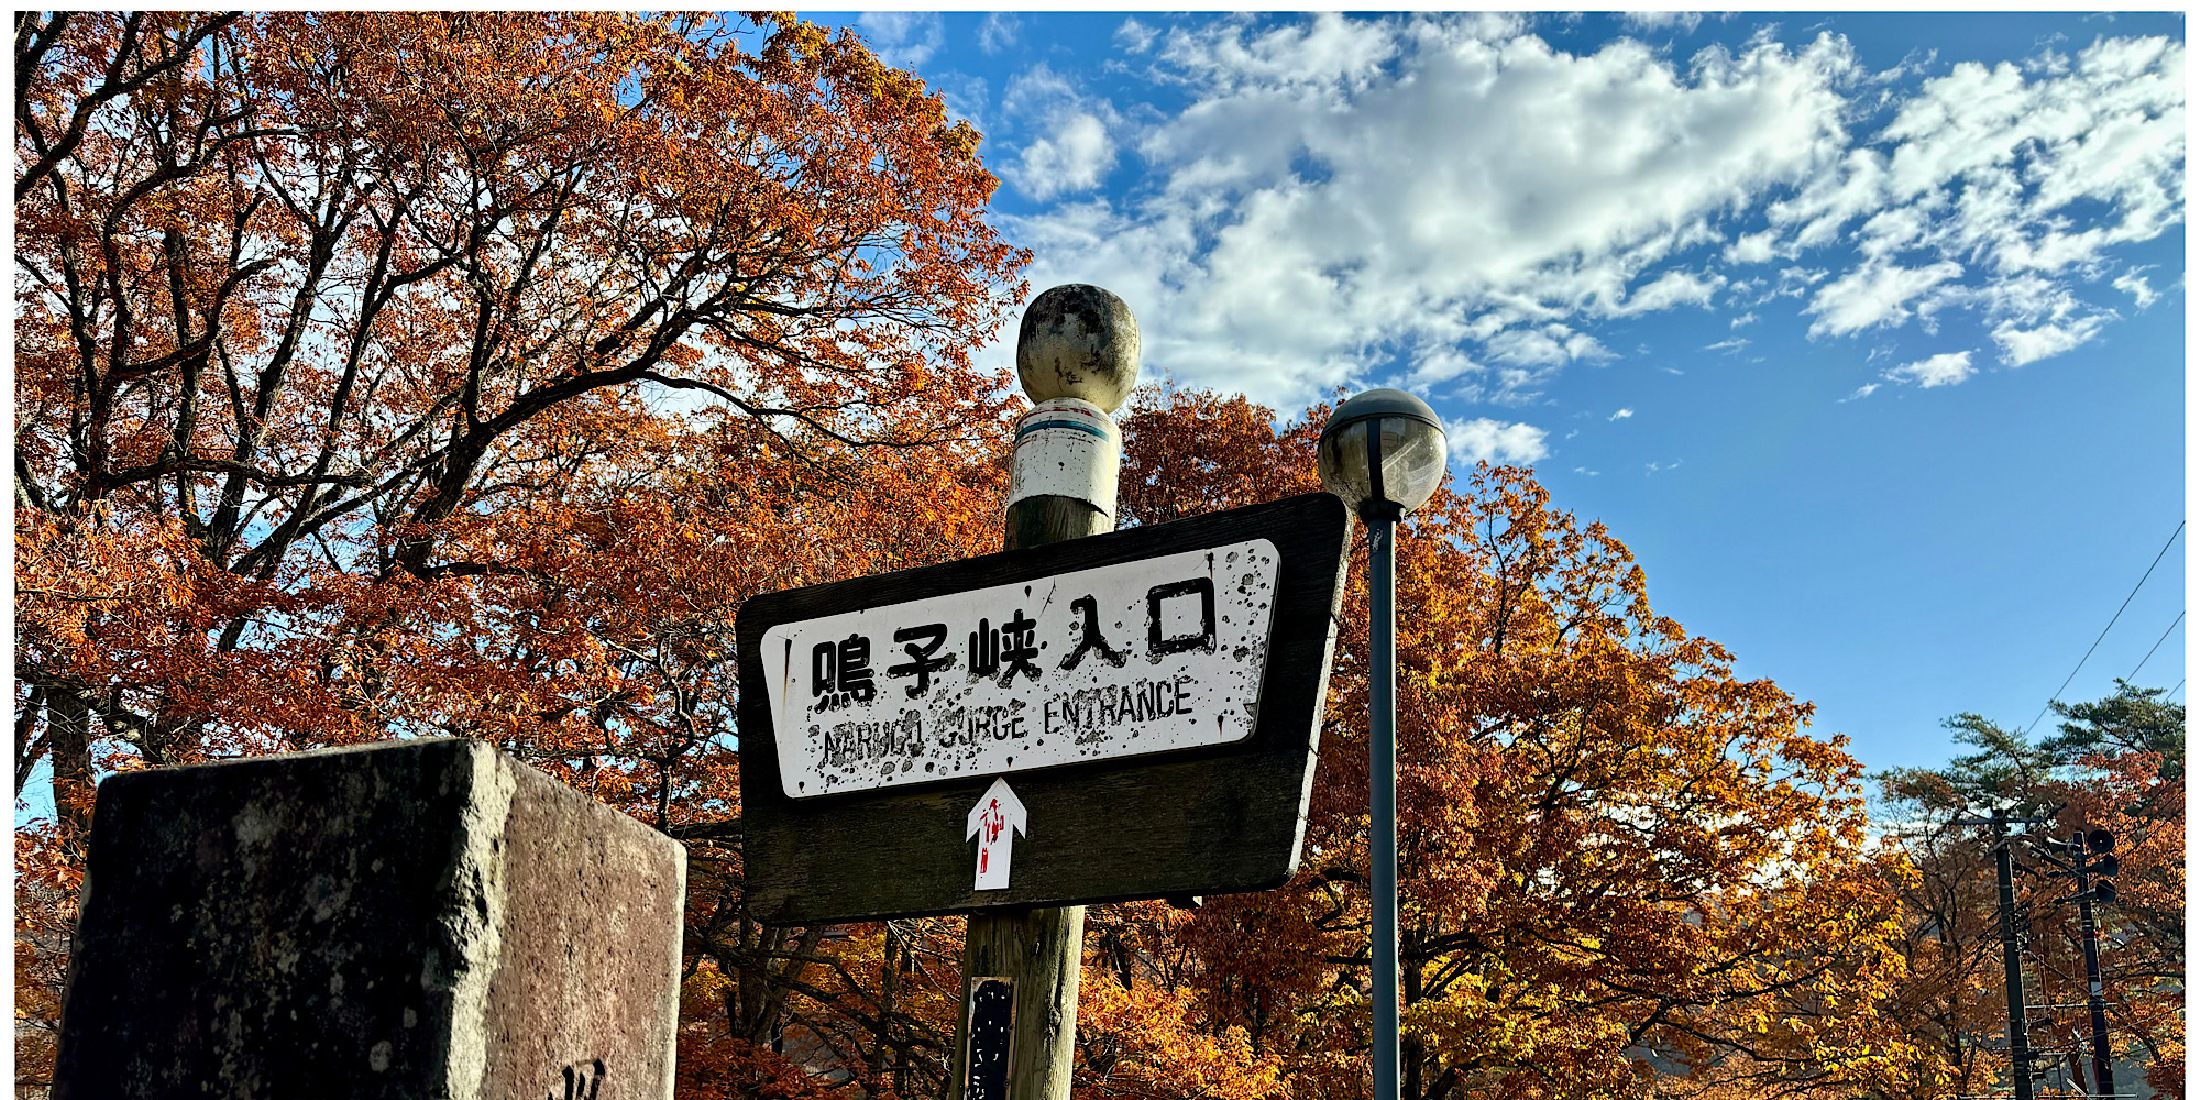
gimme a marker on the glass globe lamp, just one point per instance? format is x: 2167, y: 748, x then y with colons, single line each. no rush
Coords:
x: 1383, y: 452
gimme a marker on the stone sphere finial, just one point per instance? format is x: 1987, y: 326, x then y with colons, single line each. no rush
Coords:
x: 1078, y: 341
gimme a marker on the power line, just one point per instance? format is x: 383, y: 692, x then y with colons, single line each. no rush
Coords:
x: 2157, y: 645
x: 2104, y: 630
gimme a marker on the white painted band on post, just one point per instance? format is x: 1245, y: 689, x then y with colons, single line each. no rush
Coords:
x: 1067, y: 448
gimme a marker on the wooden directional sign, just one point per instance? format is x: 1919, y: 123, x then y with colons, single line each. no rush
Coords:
x: 1131, y: 715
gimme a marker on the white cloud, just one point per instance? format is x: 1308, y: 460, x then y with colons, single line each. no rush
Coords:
x: 1071, y: 149
x: 1439, y: 365
x: 1486, y: 440
x: 1075, y: 158
x: 998, y: 31
x: 1342, y: 201
x: 1674, y: 288
x: 1751, y: 248
x: 1037, y: 90
x: 2135, y: 284
x: 2111, y: 131
x: 903, y: 39
x: 1874, y: 295
x: 1135, y: 37
x: 1945, y: 369
x: 2038, y: 317
x: 2019, y: 176
x: 1683, y: 21
x: 1329, y: 50
x: 1548, y: 346
x: 1342, y: 192
x: 1621, y: 414
x: 2020, y: 346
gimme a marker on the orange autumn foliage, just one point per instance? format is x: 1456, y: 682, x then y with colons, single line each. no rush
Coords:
x: 391, y: 374
x: 1614, y: 854
x: 357, y: 324
x: 402, y: 374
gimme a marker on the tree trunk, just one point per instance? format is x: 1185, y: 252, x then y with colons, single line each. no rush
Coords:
x: 69, y: 747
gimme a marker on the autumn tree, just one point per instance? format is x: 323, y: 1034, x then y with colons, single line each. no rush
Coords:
x: 398, y: 374
x: 312, y: 304
x: 2115, y: 763
x: 1621, y: 864
x: 395, y: 374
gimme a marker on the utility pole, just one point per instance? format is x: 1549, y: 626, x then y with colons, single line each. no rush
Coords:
x: 1077, y: 357
x: 2104, y: 1070
x: 2012, y: 950
x: 2012, y: 959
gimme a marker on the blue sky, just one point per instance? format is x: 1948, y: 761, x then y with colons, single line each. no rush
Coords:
x: 1864, y: 331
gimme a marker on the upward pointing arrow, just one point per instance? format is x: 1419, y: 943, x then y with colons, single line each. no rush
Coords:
x: 998, y: 814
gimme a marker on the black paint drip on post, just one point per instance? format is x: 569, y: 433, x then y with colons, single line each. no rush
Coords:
x: 992, y: 1024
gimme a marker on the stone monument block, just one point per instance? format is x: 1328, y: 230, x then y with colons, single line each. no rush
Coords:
x: 407, y: 919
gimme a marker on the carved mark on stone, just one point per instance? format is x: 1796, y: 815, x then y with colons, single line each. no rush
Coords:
x: 582, y: 1081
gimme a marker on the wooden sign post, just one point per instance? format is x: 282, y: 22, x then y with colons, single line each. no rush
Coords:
x: 1083, y: 717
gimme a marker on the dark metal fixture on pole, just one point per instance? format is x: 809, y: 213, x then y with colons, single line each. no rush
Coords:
x: 2099, y: 844
x: 2020, y: 1058
x: 2089, y: 858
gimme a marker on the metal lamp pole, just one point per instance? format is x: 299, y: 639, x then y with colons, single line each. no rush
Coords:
x: 1382, y: 794
x: 1383, y: 452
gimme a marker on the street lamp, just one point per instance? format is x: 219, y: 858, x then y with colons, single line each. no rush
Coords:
x: 1383, y: 452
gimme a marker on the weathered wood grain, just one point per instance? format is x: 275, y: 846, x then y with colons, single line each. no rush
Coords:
x: 1040, y: 951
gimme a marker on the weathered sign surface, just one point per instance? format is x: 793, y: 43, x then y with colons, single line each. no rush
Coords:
x: 1137, y: 657
x: 1153, y: 695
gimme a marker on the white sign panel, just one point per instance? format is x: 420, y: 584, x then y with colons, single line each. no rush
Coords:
x: 1138, y: 657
